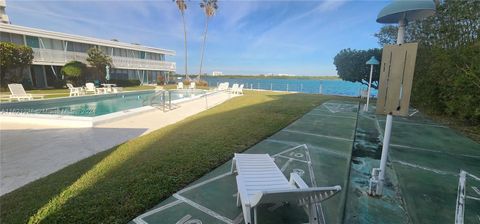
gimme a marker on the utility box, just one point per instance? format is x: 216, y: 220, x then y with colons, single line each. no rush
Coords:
x: 396, y: 77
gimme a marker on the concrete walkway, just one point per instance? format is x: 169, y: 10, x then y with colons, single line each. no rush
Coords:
x: 29, y: 152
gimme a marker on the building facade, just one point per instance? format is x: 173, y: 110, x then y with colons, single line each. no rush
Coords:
x: 52, y: 50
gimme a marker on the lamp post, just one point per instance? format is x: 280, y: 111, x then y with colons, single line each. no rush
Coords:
x: 398, y: 11
x: 373, y: 61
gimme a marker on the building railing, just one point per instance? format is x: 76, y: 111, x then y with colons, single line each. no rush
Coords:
x: 59, y: 57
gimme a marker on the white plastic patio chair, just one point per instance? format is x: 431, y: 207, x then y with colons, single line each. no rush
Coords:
x: 75, y: 91
x: 90, y: 87
x: 240, y: 89
x: 180, y: 85
x: 18, y: 92
x: 234, y: 88
x: 192, y: 85
x: 260, y: 181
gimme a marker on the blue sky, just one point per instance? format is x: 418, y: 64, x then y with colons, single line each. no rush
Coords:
x: 245, y: 37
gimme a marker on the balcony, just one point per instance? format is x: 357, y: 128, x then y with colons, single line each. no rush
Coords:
x: 58, y: 57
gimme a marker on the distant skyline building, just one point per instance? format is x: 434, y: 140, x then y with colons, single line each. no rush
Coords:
x: 217, y: 73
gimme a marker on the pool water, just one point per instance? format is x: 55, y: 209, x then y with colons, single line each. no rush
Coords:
x: 96, y: 105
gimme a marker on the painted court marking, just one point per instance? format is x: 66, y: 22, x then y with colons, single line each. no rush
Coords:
x: 203, y: 209
x: 435, y: 151
x: 327, y: 115
x: 318, y: 135
x: 437, y: 171
x: 139, y: 219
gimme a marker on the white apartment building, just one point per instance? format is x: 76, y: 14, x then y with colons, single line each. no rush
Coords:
x: 52, y: 50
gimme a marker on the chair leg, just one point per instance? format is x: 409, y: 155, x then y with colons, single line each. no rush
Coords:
x: 255, y: 215
x: 311, y: 210
x: 238, y: 199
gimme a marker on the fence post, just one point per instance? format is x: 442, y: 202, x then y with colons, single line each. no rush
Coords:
x: 287, y: 87
x: 320, y: 89
x: 169, y: 101
x: 271, y: 86
x: 251, y: 86
x: 301, y: 87
x: 163, y: 101
x: 258, y: 86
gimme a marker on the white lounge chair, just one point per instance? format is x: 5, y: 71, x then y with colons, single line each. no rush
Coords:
x: 90, y: 87
x: 260, y: 181
x: 18, y: 92
x: 234, y: 88
x: 192, y: 85
x: 240, y: 89
x: 180, y: 85
x: 75, y: 91
x: 223, y: 86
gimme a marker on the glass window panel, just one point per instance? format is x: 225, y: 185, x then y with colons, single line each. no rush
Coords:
x: 69, y: 46
x: 57, y: 44
x: 33, y: 42
x: 16, y: 38
x: 45, y: 43
x: 116, y: 52
x: 4, y: 37
x: 142, y: 54
x: 123, y: 52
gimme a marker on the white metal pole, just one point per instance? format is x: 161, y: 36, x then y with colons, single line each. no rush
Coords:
x: 369, y: 86
x: 401, y: 31
x: 388, y: 125
x: 385, y: 147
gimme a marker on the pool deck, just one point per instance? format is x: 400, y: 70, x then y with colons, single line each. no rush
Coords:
x: 29, y: 152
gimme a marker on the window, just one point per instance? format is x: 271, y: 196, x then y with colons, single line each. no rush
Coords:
x: 142, y: 54
x: 116, y: 52
x: 33, y: 42
x: 57, y: 44
x: 16, y: 38
x: 4, y: 37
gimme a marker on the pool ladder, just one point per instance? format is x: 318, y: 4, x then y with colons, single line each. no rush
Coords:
x: 161, y: 99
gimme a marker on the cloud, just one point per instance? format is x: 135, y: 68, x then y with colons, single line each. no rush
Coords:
x: 330, y: 5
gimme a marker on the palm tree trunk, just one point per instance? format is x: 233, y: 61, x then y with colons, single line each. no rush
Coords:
x: 203, y: 48
x: 185, y: 44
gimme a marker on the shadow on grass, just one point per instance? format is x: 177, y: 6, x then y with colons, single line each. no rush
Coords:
x: 116, y: 185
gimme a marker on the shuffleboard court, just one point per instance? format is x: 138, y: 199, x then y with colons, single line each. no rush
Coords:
x: 317, y: 147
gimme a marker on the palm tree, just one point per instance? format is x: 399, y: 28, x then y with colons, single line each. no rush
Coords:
x: 209, y: 7
x: 182, y: 6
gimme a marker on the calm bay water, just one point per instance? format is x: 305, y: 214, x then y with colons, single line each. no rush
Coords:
x: 327, y: 87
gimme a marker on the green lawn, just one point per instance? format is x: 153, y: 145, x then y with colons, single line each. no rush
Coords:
x: 117, y: 185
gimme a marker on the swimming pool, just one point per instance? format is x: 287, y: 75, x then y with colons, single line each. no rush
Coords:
x: 94, y: 108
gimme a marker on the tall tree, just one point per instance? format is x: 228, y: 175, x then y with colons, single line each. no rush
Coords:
x: 182, y: 6
x: 99, y: 60
x: 74, y: 71
x: 14, y: 59
x: 351, y: 65
x: 209, y: 7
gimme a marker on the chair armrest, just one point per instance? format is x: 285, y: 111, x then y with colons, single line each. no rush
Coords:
x: 297, y: 181
x: 242, y: 191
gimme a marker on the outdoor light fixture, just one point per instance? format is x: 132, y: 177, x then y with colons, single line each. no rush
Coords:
x: 373, y: 61
x: 401, y: 12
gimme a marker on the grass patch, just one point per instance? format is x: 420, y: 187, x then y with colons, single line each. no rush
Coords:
x: 117, y: 185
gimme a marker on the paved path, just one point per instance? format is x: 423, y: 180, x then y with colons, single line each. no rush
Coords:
x: 29, y: 152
